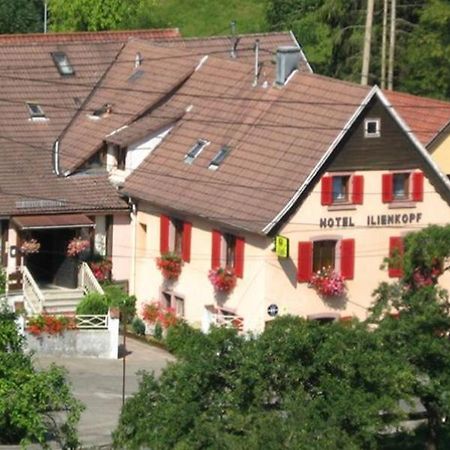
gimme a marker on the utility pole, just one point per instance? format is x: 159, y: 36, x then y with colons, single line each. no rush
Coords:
x: 383, y: 44
x: 367, y: 41
x: 392, y: 45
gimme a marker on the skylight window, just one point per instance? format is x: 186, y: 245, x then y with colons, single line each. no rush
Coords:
x: 62, y: 63
x: 218, y: 159
x: 195, y: 151
x: 35, y: 111
x: 103, y: 111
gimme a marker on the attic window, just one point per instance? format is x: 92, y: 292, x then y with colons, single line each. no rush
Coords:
x: 218, y: 159
x: 35, y: 111
x: 195, y: 151
x: 372, y: 128
x: 62, y: 63
x: 102, y: 111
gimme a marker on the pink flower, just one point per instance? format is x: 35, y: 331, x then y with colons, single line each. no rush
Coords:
x: 223, y: 279
x: 328, y: 283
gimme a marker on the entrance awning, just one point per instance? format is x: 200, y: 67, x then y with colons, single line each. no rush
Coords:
x: 52, y: 221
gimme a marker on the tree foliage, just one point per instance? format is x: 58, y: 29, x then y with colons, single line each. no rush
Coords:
x: 298, y: 385
x: 21, y: 16
x: 35, y: 406
x: 420, y: 334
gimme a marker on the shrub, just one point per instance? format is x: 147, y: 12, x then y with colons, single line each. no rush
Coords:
x: 93, y: 303
x: 3, y: 279
x: 182, y: 337
x: 118, y: 298
x: 138, y: 326
x: 158, y: 332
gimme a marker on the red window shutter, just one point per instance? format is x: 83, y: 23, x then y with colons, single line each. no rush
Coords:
x: 216, y: 246
x: 417, y: 186
x: 327, y: 190
x: 186, y: 243
x: 164, y: 234
x: 387, y: 187
x: 239, y: 257
x: 395, y: 251
x: 348, y: 258
x: 305, y: 260
x: 358, y: 190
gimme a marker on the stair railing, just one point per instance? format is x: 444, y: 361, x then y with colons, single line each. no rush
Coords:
x: 87, y: 281
x: 33, y: 297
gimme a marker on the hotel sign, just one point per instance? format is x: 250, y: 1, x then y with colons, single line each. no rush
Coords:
x: 371, y: 220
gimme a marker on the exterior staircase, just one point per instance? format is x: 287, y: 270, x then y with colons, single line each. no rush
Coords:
x: 61, y: 301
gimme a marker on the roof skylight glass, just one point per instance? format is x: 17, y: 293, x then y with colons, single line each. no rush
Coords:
x: 35, y: 111
x: 62, y: 63
x: 195, y: 151
x: 218, y: 159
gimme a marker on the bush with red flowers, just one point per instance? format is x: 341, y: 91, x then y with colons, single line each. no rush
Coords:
x: 155, y: 313
x: 170, y: 265
x: 101, y: 269
x: 46, y: 323
x: 328, y: 283
x: 223, y: 279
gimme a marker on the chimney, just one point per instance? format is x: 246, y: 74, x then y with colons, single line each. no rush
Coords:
x: 287, y: 61
x: 234, y: 40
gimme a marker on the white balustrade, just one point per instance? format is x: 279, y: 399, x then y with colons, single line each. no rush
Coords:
x: 87, y: 280
x: 32, y: 295
x: 92, y: 321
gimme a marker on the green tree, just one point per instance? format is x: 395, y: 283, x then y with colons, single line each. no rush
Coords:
x: 35, y: 406
x: 299, y: 385
x: 90, y: 15
x: 420, y: 334
x: 21, y: 16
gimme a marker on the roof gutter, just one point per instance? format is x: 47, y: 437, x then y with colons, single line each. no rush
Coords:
x: 320, y: 164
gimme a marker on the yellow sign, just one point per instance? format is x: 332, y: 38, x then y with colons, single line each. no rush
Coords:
x: 282, y: 246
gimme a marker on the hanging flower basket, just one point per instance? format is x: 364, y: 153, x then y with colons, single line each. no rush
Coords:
x: 77, y: 246
x: 29, y: 247
x: 328, y: 283
x: 170, y: 266
x: 223, y: 279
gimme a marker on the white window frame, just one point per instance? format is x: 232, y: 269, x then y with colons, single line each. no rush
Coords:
x: 173, y: 297
x: 377, y: 132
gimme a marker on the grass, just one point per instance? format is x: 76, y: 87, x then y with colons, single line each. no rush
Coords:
x: 211, y: 17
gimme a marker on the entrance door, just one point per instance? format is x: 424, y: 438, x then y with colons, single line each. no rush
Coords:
x: 51, y: 265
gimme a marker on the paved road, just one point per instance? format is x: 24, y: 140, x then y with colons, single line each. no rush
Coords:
x: 98, y: 384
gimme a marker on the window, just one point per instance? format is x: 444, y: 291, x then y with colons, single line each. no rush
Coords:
x: 121, y: 158
x: 372, y: 128
x: 175, y: 237
x: 313, y: 255
x: 228, y: 251
x: 324, y: 254
x: 342, y: 189
x: 62, y: 63
x: 402, y: 186
x: 195, y: 151
x: 174, y: 301
x: 219, y: 158
x: 35, y: 111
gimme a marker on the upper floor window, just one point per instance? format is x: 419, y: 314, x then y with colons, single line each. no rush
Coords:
x: 402, y: 186
x: 175, y: 237
x: 342, y: 189
x: 372, y: 128
x: 62, y: 63
x: 228, y: 251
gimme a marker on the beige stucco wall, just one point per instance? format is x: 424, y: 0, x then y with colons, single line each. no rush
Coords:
x: 121, y: 247
x: 371, y: 247
x: 193, y: 284
x: 441, y: 154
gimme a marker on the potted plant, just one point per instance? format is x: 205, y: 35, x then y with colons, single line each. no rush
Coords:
x: 30, y: 246
x: 328, y: 283
x: 170, y: 265
x: 223, y: 279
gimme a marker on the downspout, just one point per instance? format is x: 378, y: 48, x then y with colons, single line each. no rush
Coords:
x: 133, y: 217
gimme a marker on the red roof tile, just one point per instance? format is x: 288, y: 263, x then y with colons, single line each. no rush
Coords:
x: 425, y: 116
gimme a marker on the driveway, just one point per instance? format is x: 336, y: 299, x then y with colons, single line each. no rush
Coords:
x: 98, y: 384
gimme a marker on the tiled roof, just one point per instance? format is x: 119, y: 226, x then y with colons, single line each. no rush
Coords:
x: 89, y: 36
x: 129, y: 91
x: 426, y: 117
x: 269, y: 131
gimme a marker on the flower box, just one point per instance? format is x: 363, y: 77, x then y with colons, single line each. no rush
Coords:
x: 170, y: 266
x: 223, y: 279
x: 328, y: 283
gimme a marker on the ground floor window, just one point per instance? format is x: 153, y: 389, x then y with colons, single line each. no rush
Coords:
x: 175, y: 301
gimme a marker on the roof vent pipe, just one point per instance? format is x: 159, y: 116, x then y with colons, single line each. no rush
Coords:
x: 56, y: 168
x: 288, y: 59
x: 138, y: 60
x: 234, y: 39
x: 255, y: 80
